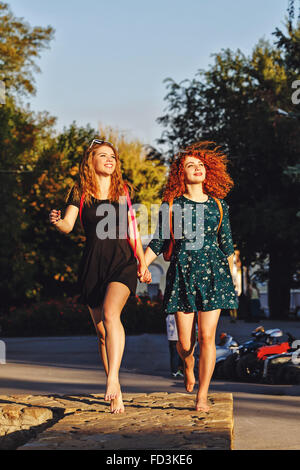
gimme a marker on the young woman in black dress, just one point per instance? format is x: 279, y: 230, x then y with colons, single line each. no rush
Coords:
x: 108, y: 269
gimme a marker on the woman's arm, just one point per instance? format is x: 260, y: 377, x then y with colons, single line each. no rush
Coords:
x: 158, y: 243
x: 225, y: 236
x: 143, y: 272
x: 66, y: 224
x: 149, y: 255
x: 230, y: 262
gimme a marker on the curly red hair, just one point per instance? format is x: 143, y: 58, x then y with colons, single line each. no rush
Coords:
x: 217, y: 182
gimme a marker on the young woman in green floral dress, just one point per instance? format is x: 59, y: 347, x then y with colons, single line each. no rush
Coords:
x: 199, y: 279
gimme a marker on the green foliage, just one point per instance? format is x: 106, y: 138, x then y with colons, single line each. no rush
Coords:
x: 141, y: 315
x: 65, y: 317
x: 52, y: 318
x: 20, y: 46
x: 291, y: 12
x: 21, y: 134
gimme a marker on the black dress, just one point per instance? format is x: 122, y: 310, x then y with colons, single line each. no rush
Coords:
x: 103, y: 260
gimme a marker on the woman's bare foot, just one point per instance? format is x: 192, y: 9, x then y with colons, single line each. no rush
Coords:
x: 112, y: 390
x: 202, y: 404
x: 189, y: 376
x: 117, y: 405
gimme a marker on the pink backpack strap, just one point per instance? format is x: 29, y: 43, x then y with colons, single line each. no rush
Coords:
x: 132, y: 217
x: 220, y: 209
x: 80, y: 207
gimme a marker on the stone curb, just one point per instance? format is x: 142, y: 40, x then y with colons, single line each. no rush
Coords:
x: 20, y: 422
x: 151, y: 421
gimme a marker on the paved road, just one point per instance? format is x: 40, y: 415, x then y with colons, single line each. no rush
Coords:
x: 266, y: 417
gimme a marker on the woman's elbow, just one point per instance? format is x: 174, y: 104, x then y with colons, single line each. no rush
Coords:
x: 69, y: 228
x: 66, y: 228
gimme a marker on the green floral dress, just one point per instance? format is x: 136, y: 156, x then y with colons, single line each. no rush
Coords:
x: 197, y: 278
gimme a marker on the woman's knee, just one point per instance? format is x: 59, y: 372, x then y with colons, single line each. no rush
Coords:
x: 186, y: 347
x: 206, y: 338
x: 110, y: 317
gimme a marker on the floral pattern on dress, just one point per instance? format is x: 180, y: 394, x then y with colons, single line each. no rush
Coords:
x: 197, y: 279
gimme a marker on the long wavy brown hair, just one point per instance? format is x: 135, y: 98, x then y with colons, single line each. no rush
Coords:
x: 217, y: 182
x: 87, y: 180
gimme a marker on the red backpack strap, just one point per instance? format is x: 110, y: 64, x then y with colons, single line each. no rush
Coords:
x: 132, y: 217
x: 170, y: 220
x: 80, y: 207
x: 167, y: 254
x: 220, y: 209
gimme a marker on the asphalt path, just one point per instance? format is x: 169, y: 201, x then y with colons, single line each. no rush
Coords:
x: 265, y: 416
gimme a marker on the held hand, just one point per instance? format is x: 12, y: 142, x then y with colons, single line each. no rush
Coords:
x: 147, y: 277
x: 144, y: 274
x: 54, y: 216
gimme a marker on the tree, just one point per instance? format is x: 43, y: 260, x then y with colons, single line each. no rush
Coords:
x: 20, y: 46
x: 235, y: 103
x: 23, y: 136
x: 291, y: 12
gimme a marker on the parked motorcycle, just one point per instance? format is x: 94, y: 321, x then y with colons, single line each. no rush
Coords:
x: 283, y: 368
x: 260, y: 338
x: 251, y: 365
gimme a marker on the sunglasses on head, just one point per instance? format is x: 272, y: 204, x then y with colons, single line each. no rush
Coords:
x: 98, y: 141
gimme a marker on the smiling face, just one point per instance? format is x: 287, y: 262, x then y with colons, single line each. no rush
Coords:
x: 104, y: 160
x: 194, y: 170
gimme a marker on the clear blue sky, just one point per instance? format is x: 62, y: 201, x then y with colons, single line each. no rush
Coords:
x: 109, y: 58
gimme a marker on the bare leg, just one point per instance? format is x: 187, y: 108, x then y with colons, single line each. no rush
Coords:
x: 97, y: 317
x: 185, y: 323
x: 114, y: 301
x: 207, y: 325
